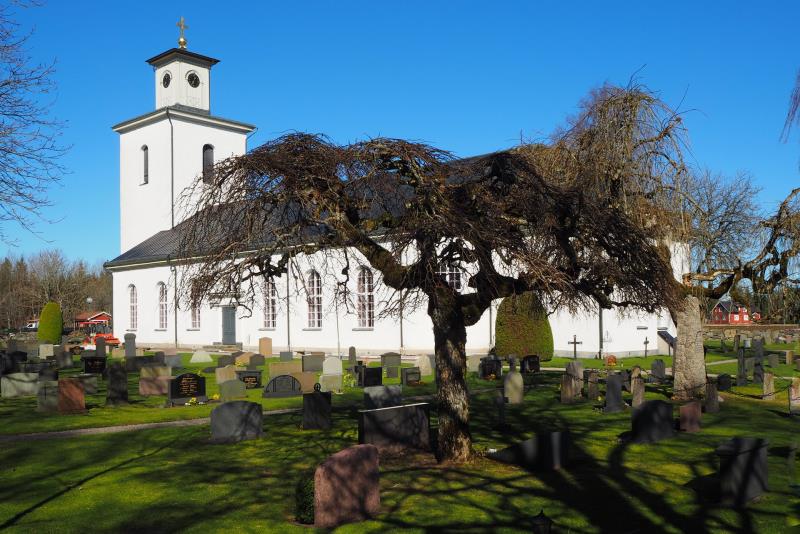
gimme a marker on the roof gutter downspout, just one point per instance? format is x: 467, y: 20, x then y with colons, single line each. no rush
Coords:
x: 171, y: 169
x: 174, y: 272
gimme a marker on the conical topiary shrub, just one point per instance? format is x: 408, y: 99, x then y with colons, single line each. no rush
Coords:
x: 50, y: 324
x: 522, y: 328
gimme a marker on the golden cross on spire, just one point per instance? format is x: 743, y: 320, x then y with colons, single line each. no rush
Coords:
x: 182, y: 40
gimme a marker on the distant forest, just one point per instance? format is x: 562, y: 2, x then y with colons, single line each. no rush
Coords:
x: 27, y: 283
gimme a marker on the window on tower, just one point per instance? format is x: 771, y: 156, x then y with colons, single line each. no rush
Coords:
x: 208, y: 163
x: 145, y: 165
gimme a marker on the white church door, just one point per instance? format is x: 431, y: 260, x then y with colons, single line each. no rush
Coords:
x: 228, y: 325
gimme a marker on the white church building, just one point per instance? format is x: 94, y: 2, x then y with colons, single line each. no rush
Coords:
x: 166, y: 150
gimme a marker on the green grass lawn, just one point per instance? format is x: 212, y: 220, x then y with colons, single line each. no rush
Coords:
x: 174, y: 480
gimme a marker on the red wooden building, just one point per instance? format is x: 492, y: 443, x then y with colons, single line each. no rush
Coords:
x: 92, y: 320
x: 729, y: 312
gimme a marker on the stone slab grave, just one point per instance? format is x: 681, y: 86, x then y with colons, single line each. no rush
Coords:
x: 513, y: 386
x: 89, y: 382
x: 547, y: 451
x: 347, y: 487
x: 282, y: 386
x: 130, y: 345
x: 369, y: 376
x: 236, y: 421
x: 391, y: 361
x: 788, y: 357
x: 758, y: 371
x: 100, y: 346
x: 306, y: 380
x: 652, y: 422
x: 265, y: 346
x: 410, y: 376
x: 135, y: 364
x: 64, y: 359
x: 794, y: 397
x: 531, y: 364
x: 15, y: 385
x: 48, y: 374
x: 637, y: 387
x: 749, y: 365
x: 46, y: 351
x: 768, y: 387
x: 724, y: 382
x: 187, y: 386
x: 256, y: 360
x: 351, y: 359
x: 159, y: 357
x: 406, y: 426
x: 284, y: 368
x: 332, y: 366
x: 201, y: 356
x: 690, y: 416
x: 489, y: 367
x: 772, y: 359
x: 572, y: 383
x: 758, y: 348
x: 47, y: 397
x: 743, y: 474
x: 626, y: 379
x: 286, y: 355
x: 223, y: 374
x: 382, y: 396
x: 225, y: 359
x: 154, y: 380
x: 250, y: 378
x: 117, y: 384
x: 711, y: 400
x: 473, y: 363
x: 741, y: 368
x: 312, y: 363
x: 173, y: 360
x: 591, y: 378
x: 613, y: 401
x: 232, y: 390
x: 317, y: 410
x: 244, y: 358
x: 426, y: 364
x: 94, y: 364
x: 71, y: 397
x: 658, y: 371
x: 331, y: 383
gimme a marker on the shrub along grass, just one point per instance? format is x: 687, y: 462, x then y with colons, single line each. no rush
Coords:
x: 173, y: 480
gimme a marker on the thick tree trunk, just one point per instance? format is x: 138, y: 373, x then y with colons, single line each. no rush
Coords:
x: 454, y: 439
x: 689, y: 366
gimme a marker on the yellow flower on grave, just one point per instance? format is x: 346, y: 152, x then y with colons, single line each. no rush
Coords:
x: 215, y: 396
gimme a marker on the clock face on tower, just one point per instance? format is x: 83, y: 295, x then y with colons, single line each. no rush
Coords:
x: 193, y: 79
x: 166, y: 79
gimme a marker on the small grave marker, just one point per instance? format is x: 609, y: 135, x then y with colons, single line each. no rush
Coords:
x: 186, y: 387
x: 236, y: 421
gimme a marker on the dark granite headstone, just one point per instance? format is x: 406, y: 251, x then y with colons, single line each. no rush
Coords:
x: 130, y: 345
x: 187, y: 386
x: 312, y: 363
x: 712, y: 398
x: 94, y: 364
x: 724, y: 382
x: 758, y: 348
x: 651, y: 422
x: 225, y: 359
x: 758, y: 371
x: 490, y: 366
x: 742, y: 470
x: 251, y: 379
x: 159, y: 357
x: 282, y: 386
x: 396, y: 426
x: 100, y: 346
x: 117, y: 384
x: 317, y: 410
x: 741, y: 368
x: 382, y: 396
x: 48, y: 374
x: 530, y: 364
x: 546, y: 452
x: 370, y: 376
x: 658, y: 371
x: 410, y: 376
x: 613, y: 394
x: 592, y: 378
x: 237, y: 421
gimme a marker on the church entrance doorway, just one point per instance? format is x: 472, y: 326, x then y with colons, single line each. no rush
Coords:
x: 228, y: 325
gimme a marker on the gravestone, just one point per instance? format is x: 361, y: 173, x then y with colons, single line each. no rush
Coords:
x: 331, y: 366
x: 794, y: 397
x: 46, y: 351
x: 626, y: 379
x: 232, y: 390
x: 651, y: 422
x: 772, y: 359
x: 312, y: 363
x: 531, y: 364
x: 223, y: 374
x: 758, y: 372
x: 331, y: 383
x: 570, y: 390
x: 391, y: 362
x: 410, y: 376
x: 284, y: 368
x: 382, y: 396
x: 94, y: 364
x: 47, y: 397
x: 100, y: 346
x: 426, y: 364
x: 637, y: 390
x: 306, y: 380
x: 331, y: 378
x: 15, y: 385
x: 265, y: 346
x: 244, y: 358
x: 768, y: 388
x: 473, y: 363
x: 117, y: 385
x: 282, y: 386
x: 347, y: 487
x: 758, y: 348
x: 224, y: 360
x: 236, y: 421
x: 286, y: 355
x: 788, y: 357
x: 370, y: 376
x: 741, y: 369
x: 71, y: 397
x: 712, y: 398
x: 187, y: 386
x: 256, y: 361
x: 173, y: 360
x: 250, y: 378
x: 749, y: 365
x: 154, y: 380
x: 743, y: 474
x: 199, y: 356
x: 513, y: 386
x: 404, y: 426
x: 658, y: 371
x: 89, y: 382
x: 690, y: 415
x: 48, y: 374
x: 737, y: 339
x: 547, y: 451
x: 489, y: 367
x: 613, y: 394
x: 64, y: 359
x: 592, y: 378
x: 130, y: 345
x: 724, y: 382
x: 351, y: 359
x: 317, y: 410
x: 159, y: 357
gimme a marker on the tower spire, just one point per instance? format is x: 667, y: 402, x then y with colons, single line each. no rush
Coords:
x: 182, y: 40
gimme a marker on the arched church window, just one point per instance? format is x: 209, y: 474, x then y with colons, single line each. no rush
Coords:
x: 270, y: 305
x: 208, y: 163
x: 314, y: 296
x: 145, y: 165
x: 452, y: 274
x: 162, y: 306
x: 133, y: 303
x: 195, y: 317
x: 365, y: 298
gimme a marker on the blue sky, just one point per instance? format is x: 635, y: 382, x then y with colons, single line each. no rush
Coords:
x: 469, y: 77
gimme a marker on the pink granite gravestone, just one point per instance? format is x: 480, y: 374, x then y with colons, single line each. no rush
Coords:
x: 690, y: 414
x: 346, y: 487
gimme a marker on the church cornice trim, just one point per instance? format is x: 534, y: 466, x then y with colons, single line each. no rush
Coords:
x: 182, y: 113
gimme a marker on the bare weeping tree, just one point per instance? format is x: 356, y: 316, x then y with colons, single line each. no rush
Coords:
x: 29, y: 137
x: 564, y: 220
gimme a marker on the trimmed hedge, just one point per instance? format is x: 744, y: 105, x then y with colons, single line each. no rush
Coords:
x: 50, y: 324
x: 304, y: 499
x: 522, y: 328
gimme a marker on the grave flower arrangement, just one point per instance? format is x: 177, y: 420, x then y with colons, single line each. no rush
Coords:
x: 193, y: 402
